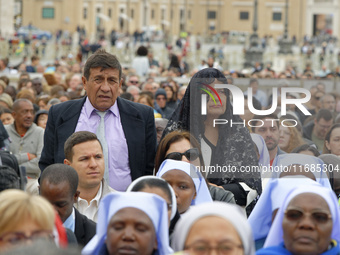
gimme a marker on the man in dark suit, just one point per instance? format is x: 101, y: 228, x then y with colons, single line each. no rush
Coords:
x: 58, y: 184
x: 129, y: 127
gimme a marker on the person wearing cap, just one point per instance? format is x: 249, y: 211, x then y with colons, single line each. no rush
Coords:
x: 131, y: 223
x: 161, y: 100
x: 41, y: 118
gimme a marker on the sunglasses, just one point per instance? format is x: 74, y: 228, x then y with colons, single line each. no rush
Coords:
x: 297, y: 215
x: 190, y: 154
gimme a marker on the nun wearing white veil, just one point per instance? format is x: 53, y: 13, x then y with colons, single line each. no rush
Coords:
x: 131, y: 222
x: 219, y: 225
x: 307, y: 223
x: 270, y: 201
x: 200, y: 190
x: 297, y: 164
x: 151, y: 181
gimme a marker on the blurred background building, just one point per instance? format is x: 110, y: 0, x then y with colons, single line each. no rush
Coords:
x: 204, y: 17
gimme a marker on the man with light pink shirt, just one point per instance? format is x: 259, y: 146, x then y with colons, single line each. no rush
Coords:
x: 129, y: 127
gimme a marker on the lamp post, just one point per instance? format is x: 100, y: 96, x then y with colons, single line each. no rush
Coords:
x: 285, y: 43
x: 254, y: 53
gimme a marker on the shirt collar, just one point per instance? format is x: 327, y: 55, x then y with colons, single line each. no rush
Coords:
x: 89, y: 109
x: 99, y: 193
x: 96, y: 198
x: 70, y: 221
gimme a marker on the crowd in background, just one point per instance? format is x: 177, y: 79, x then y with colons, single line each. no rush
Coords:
x: 196, y: 211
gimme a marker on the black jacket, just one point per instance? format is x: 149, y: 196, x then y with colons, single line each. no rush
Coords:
x: 84, y: 229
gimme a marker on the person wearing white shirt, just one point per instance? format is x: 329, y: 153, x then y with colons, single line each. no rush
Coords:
x: 84, y: 152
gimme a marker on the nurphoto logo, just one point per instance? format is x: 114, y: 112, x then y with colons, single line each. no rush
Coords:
x: 238, y: 101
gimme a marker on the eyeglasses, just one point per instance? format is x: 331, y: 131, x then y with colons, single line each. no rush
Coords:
x: 297, y: 215
x: 190, y: 154
x: 18, y: 237
x: 225, y: 248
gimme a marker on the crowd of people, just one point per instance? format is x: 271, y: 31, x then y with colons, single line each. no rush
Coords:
x: 112, y: 161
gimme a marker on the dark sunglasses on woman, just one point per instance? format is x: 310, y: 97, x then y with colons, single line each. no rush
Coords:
x: 190, y: 154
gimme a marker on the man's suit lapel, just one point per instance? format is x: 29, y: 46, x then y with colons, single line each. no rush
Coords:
x: 134, y: 130
x: 68, y: 123
x: 79, y: 230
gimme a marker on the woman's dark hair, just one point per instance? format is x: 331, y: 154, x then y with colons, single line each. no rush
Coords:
x: 328, y: 138
x: 171, y: 138
x: 153, y: 183
x: 307, y: 147
x: 174, y: 62
x: 174, y: 94
x: 142, y: 51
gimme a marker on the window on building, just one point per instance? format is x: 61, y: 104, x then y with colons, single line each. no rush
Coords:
x: 244, y: 15
x: 85, y: 13
x: 181, y: 14
x: 132, y: 13
x: 152, y: 14
x: 48, y: 13
x: 277, y: 16
x: 182, y: 27
x: 171, y: 14
x: 121, y: 10
x: 109, y: 13
x: 211, y: 14
x: 163, y: 14
x: 189, y: 14
x: 98, y: 10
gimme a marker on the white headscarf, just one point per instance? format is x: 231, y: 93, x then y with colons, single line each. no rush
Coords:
x: 148, y: 177
x: 275, y: 236
x: 285, y: 160
x: 153, y: 205
x: 202, y: 191
x: 232, y: 213
x: 263, y: 151
x: 264, y: 161
x: 272, y: 198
